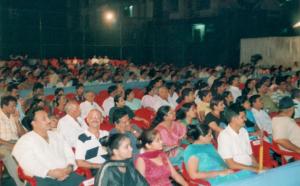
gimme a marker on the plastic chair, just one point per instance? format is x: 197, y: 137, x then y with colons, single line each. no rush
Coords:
x: 145, y: 113
x: 284, y: 153
x: 101, y: 96
x: 2, y: 167
x: 268, y: 161
x: 49, y: 97
x: 193, y: 182
x: 70, y: 96
x: 138, y: 93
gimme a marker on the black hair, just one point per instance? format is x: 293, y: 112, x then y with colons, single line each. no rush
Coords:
x: 113, y: 142
x: 231, y: 78
x: 279, y: 80
x: 203, y: 93
x: 147, y: 137
x: 27, y: 120
x: 37, y: 86
x: 241, y: 100
x: 295, y: 93
x: 6, y: 99
x: 11, y: 87
x: 118, y: 114
x: 149, y: 88
x: 230, y: 113
x: 117, y: 98
x: 127, y: 92
x: 196, y: 130
x: 111, y: 89
x: 185, y: 92
x: 78, y: 85
x: 215, y: 86
x: 253, y: 99
x: 246, y: 90
x: 161, y: 113
x: 56, y: 92
x: 214, y: 102
x: 181, y: 113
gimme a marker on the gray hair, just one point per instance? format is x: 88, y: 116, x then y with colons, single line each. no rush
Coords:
x: 70, y: 106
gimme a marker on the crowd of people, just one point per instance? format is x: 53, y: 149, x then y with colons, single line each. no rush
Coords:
x: 204, y: 120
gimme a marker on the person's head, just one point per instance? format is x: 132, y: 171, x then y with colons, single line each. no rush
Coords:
x: 235, y: 117
x: 60, y: 100
x: 262, y: 88
x: 53, y: 122
x: 163, y: 92
x: 119, y: 147
x: 157, y: 82
x: 218, y: 87
x: 94, y: 118
x: 129, y: 94
x: 244, y: 102
x: 39, y: 120
x: 187, y: 95
x: 164, y: 113
x: 217, y: 104
x: 8, y: 104
x: 112, y: 90
x: 187, y: 110
x: 250, y: 84
x: 72, y: 108
x: 228, y: 98
x: 150, y: 139
x: 234, y: 81
x: 296, y: 93
x: 121, y: 119
x: 287, y: 106
x: 38, y: 89
x: 150, y: 90
x: 281, y: 82
x: 79, y: 89
x: 59, y: 91
x: 199, y: 132
x: 89, y: 96
x: 13, y: 89
x: 205, y: 95
x: 256, y: 102
x: 119, y: 101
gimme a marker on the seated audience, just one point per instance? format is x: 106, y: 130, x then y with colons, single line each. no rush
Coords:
x: 89, y: 104
x: 187, y: 96
x: 109, y: 102
x: 171, y: 131
x: 10, y: 131
x: 132, y: 102
x: 263, y: 91
x: 153, y: 163
x: 218, y: 88
x: 228, y: 98
x: 203, y: 107
x: 69, y: 126
x: 202, y: 161
x: 234, y: 82
x: 162, y: 99
x: 215, y: 119
x: 120, y: 119
x: 88, y: 147
x: 187, y: 114
x: 59, y: 106
x: 119, y: 169
x: 249, y: 89
x: 79, y: 94
x: 262, y: 118
x: 234, y: 145
x: 281, y: 90
x: 44, y: 154
x: 285, y: 129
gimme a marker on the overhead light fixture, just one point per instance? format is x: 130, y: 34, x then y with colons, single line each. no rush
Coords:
x: 297, y: 25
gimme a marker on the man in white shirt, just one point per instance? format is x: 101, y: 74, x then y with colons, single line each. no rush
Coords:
x: 69, y: 126
x: 109, y: 102
x: 233, y: 143
x: 262, y: 118
x: 234, y: 82
x: 45, y: 155
x: 286, y: 132
x: 89, y: 104
x: 162, y: 98
x: 10, y: 131
x: 88, y: 147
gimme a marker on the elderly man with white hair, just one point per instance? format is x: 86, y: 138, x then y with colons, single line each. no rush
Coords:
x: 69, y: 126
x: 88, y: 146
x: 89, y: 104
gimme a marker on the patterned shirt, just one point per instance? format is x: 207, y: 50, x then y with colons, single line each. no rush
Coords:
x: 8, y: 128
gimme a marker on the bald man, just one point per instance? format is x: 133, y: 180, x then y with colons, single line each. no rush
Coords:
x: 88, y: 147
x: 69, y: 125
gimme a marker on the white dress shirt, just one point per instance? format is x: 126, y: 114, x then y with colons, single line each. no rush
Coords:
x: 70, y: 129
x: 236, y: 146
x: 108, y: 104
x: 86, y: 106
x: 36, y: 156
x: 148, y: 101
x: 263, y: 120
x: 161, y: 102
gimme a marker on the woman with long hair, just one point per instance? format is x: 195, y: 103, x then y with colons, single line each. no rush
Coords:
x: 153, y: 163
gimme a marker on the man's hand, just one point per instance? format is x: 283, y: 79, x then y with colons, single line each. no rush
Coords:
x: 59, y: 174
